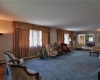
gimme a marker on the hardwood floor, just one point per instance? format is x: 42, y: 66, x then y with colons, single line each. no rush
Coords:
x: 2, y: 72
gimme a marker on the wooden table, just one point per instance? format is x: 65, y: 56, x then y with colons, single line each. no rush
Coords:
x: 95, y: 52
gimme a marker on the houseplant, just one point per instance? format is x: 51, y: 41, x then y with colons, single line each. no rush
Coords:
x: 42, y: 53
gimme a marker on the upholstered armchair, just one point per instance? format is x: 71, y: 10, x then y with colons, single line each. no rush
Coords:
x: 50, y: 51
x: 18, y: 72
x: 64, y: 47
x: 9, y: 56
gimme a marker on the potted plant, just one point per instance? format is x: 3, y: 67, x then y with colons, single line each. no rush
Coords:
x: 42, y: 53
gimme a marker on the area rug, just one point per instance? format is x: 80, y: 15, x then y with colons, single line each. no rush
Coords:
x: 76, y: 65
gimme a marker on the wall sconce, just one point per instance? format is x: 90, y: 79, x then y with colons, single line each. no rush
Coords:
x: 1, y: 33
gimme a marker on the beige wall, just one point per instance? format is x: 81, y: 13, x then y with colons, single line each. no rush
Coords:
x: 6, y: 41
x: 53, y: 36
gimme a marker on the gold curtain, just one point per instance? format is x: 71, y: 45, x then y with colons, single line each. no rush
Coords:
x: 21, y: 42
x: 45, y: 38
x: 60, y: 36
x: 23, y: 25
x: 21, y: 38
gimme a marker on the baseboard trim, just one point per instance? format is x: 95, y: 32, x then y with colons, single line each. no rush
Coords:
x: 31, y: 57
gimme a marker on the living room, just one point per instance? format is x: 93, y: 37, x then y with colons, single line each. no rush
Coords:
x: 50, y: 22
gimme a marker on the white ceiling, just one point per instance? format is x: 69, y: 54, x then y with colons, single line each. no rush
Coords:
x: 74, y: 15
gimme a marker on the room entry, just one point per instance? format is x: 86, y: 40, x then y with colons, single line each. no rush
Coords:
x: 81, y: 41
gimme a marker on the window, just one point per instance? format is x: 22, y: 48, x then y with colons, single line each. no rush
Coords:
x: 91, y: 39
x: 66, y: 38
x: 35, y: 38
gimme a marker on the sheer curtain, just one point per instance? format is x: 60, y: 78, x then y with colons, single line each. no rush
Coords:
x: 35, y: 41
x: 66, y: 38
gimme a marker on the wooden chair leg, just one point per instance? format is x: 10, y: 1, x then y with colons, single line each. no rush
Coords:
x: 97, y: 54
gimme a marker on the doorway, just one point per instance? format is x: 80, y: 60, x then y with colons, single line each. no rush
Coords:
x: 81, y: 41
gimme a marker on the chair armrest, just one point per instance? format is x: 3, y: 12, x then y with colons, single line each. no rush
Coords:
x: 15, y: 62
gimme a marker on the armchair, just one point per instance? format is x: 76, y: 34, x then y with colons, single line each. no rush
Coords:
x: 50, y: 51
x: 64, y: 47
x: 17, y: 71
x: 9, y: 56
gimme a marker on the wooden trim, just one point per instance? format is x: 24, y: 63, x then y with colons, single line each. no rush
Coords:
x: 31, y: 57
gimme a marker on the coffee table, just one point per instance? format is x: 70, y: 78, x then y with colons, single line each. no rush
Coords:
x: 95, y: 52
